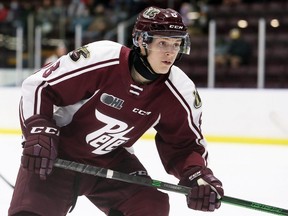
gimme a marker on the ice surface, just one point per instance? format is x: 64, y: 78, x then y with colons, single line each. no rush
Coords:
x: 257, y: 173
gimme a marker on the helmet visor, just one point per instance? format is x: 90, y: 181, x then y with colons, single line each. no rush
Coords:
x: 167, y: 42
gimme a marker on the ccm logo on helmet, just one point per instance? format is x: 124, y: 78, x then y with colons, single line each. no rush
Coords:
x: 176, y: 27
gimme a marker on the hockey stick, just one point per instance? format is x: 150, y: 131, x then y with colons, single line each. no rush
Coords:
x: 107, y: 173
x: 6, y: 181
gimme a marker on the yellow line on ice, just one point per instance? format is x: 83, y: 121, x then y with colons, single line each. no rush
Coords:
x: 234, y: 139
x: 10, y: 131
x: 209, y: 138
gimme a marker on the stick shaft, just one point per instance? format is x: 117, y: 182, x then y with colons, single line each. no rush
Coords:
x: 107, y: 173
x: 7, y: 182
x: 255, y: 205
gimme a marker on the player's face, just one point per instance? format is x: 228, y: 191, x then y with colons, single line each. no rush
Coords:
x: 162, y: 52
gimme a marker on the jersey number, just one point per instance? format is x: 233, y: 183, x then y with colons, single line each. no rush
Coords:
x: 51, y: 69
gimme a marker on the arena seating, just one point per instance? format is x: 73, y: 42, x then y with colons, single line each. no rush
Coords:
x: 276, y: 46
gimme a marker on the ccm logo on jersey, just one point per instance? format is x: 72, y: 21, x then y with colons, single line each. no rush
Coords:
x: 47, y: 130
x: 111, y: 101
x: 141, y: 112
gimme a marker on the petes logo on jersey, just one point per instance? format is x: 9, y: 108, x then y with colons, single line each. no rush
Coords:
x: 111, y: 101
x: 108, y: 137
x: 82, y: 51
x: 197, y: 102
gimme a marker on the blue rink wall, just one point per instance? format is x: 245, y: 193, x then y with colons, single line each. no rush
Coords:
x: 229, y: 115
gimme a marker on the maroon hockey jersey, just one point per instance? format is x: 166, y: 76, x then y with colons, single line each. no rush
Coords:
x: 92, y: 97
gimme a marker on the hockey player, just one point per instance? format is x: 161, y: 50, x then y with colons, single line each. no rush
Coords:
x: 95, y: 102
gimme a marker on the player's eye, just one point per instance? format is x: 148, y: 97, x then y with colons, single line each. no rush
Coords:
x: 176, y: 46
x: 165, y: 46
x: 162, y: 44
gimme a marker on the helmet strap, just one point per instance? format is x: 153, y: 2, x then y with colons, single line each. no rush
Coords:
x: 179, y: 56
x: 143, y: 67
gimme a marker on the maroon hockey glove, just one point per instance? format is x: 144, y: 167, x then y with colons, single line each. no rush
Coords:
x: 40, y: 148
x: 206, y: 189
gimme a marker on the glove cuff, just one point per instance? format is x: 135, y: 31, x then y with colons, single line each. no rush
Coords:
x: 194, y: 172
x: 39, y: 124
x: 197, y: 176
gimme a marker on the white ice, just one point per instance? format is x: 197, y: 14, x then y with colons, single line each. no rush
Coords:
x: 256, y: 173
